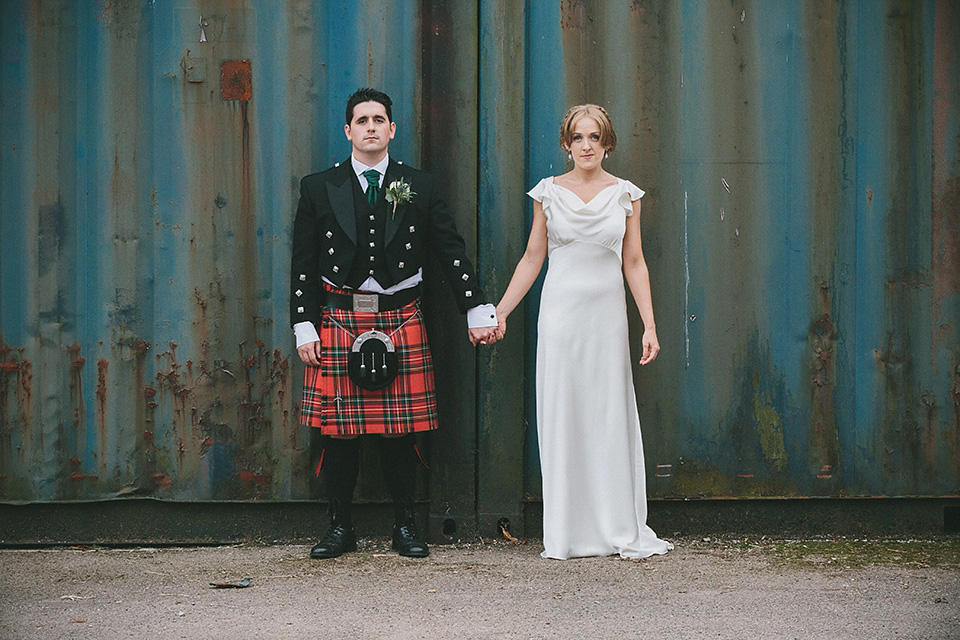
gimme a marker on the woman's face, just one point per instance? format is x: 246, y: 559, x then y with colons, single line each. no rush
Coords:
x: 585, y: 145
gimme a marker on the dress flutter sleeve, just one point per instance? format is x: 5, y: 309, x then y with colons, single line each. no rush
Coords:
x: 539, y: 192
x: 629, y: 193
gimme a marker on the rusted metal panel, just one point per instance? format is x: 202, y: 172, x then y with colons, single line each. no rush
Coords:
x: 801, y: 324
x: 801, y: 224
x: 146, y: 211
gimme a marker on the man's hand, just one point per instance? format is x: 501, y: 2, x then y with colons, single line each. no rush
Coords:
x: 310, y: 353
x: 482, y: 335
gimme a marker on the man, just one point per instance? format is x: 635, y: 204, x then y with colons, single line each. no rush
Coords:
x: 360, y: 237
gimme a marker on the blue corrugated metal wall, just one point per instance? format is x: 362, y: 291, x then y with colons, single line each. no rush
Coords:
x: 802, y: 226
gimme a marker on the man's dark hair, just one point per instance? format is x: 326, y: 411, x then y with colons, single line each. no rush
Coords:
x: 369, y: 95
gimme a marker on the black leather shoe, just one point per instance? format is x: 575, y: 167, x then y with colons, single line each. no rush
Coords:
x: 335, y: 543
x: 408, y: 543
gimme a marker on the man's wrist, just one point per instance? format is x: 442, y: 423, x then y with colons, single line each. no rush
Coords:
x: 482, y: 316
x: 305, y: 333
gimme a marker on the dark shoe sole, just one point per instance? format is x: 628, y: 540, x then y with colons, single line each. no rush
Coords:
x: 324, y: 554
x: 412, y: 554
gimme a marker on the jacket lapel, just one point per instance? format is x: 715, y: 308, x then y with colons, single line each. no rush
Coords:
x: 340, y: 192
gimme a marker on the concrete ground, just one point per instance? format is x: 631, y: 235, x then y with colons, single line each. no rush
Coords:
x: 703, y: 589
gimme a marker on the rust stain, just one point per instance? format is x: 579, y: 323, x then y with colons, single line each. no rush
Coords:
x: 162, y: 480
x: 16, y: 375
x: 236, y: 80
x: 76, y: 387
x: 105, y: 12
x: 261, y: 479
x: 101, y: 411
x: 102, y: 366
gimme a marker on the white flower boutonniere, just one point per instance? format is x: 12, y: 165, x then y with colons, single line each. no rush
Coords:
x: 398, y: 193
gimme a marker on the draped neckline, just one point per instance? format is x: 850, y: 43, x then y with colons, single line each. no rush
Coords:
x: 574, y: 193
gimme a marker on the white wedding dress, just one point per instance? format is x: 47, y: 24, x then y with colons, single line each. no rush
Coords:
x: 591, y: 454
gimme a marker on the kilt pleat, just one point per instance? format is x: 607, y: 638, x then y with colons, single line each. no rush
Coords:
x: 335, y: 405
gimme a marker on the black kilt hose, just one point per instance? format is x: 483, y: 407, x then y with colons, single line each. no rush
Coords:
x: 333, y: 403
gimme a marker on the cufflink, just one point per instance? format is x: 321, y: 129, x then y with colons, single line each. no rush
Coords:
x: 329, y: 234
x: 465, y: 277
x: 400, y: 266
x: 336, y: 164
x: 399, y: 162
x: 299, y: 293
x: 456, y: 263
x: 468, y: 294
x: 303, y: 276
x: 330, y: 251
x: 299, y: 309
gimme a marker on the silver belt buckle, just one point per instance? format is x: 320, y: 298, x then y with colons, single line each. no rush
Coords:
x: 366, y: 303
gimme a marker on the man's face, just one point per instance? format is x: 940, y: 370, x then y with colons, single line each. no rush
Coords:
x: 370, y: 131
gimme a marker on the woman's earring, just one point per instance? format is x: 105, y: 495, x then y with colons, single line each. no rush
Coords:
x: 569, y: 156
x: 606, y: 154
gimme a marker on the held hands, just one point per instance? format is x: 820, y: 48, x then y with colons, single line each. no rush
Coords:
x: 489, y: 335
x: 482, y: 335
x: 310, y: 353
x: 651, y: 346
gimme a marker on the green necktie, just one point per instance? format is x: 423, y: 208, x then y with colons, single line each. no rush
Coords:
x: 373, y: 190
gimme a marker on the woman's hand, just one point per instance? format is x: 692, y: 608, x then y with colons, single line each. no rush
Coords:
x: 651, y: 346
x: 310, y: 353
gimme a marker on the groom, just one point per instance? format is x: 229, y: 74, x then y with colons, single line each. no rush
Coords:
x: 360, y: 238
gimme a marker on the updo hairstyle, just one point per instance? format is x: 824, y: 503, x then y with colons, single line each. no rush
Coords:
x: 608, y: 139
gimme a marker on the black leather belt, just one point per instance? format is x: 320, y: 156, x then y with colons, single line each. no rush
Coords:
x: 370, y: 302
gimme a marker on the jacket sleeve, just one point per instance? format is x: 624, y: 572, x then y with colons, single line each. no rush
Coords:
x: 450, y: 250
x: 304, y: 262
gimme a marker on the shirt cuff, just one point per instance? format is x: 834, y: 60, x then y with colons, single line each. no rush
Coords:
x: 305, y: 332
x: 484, y: 315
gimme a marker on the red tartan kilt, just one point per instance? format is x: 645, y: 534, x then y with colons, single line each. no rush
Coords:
x: 335, y: 405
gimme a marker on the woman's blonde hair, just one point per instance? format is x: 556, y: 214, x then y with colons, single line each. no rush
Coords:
x: 608, y: 139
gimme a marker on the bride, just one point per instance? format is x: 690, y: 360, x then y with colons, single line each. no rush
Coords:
x: 591, y: 454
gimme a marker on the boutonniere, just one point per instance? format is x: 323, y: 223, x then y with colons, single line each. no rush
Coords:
x: 399, y: 193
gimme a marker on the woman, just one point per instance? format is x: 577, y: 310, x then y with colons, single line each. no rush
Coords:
x: 591, y: 454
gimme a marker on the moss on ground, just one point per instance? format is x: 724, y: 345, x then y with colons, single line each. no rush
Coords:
x: 844, y: 552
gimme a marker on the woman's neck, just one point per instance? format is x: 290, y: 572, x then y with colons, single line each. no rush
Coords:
x: 586, y: 176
